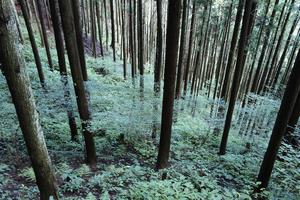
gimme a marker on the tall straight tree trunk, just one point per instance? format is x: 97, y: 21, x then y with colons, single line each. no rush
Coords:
x: 112, y: 29
x: 93, y: 27
x: 287, y: 105
x: 159, y: 41
x: 232, y: 47
x: 79, y: 38
x: 140, y: 38
x: 99, y: 27
x: 44, y: 32
x: 106, y: 24
x: 237, y: 74
x: 174, y: 8
x: 131, y: 40
x: 34, y: 9
x: 140, y: 29
x: 82, y: 101
x: 182, y: 49
x: 189, y: 56
x: 34, y: 47
x: 13, y: 67
x: 62, y: 66
x: 124, y: 38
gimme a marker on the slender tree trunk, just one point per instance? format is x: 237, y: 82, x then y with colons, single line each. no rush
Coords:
x: 141, y: 37
x: 13, y: 67
x: 124, y: 39
x: 159, y: 41
x: 284, y: 114
x: 131, y: 40
x: 93, y: 26
x: 62, y: 66
x: 189, y: 56
x: 106, y: 24
x: 33, y: 43
x: 173, y: 26
x: 112, y: 29
x: 232, y: 47
x: 79, y: 38
x: 237, y: 74
x: 82, y: 101
x: 99, y: 27
x: 44, y: 32
x: 182, y: 49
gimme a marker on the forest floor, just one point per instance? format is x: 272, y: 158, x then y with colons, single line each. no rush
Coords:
x: 125, y: 168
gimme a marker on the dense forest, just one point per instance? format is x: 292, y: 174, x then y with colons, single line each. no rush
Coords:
x: 150, y: 99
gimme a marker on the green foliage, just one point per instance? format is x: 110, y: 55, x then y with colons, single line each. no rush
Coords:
x: 28, y: 174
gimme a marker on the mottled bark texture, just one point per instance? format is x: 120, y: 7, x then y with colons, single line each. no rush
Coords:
x: 13, y: 67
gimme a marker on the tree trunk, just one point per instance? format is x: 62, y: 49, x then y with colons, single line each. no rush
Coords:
x: 62, y: 66
x: 189, y: 56
x: 232, y: 47
x: 112, y: 29
x: 182, y: 49
x: 44, y: 32
x: 79, y: 38
x: 82, y: 102
x: 159, y: 41
x: 99, y: 27
x: 280, y: 127
x: 33, y: 43
x: 13, y: 67
x: 174, y: 8
x: 237, y: 74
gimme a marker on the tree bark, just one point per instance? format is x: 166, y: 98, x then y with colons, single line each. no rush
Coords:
x: 287, y: 105
x: 79, y: 38
x: 237, y: 74
x: 112, y: 29
x: 44, y: 32
x: 62, y: 66
x: 13, y: 67
x: 82, y: 101
x: 173, y: 25
x: 34, y: 47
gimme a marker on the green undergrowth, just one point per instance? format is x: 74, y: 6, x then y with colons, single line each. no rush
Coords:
x: 122, y: 123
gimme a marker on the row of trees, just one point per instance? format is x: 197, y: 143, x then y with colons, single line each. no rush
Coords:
x: 202, y: 53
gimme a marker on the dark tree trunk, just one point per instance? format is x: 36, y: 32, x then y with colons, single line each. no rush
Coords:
x: 33, y: 43
x: 232, y: 48
x: 189, y: 56
x: 79, y: 38
x: 173, y: 26
x: 159, y: 41
x: 112, y: 29
x: 131, y: 40
x: 140, y: 38
x: 182, y: 49
x: 283, y: 117
x: 99, y: 27
x: 237, y: 74
x: 44, y: 32
x: 124, y: 38
x: 62, y: 66
x: 82, y: 101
